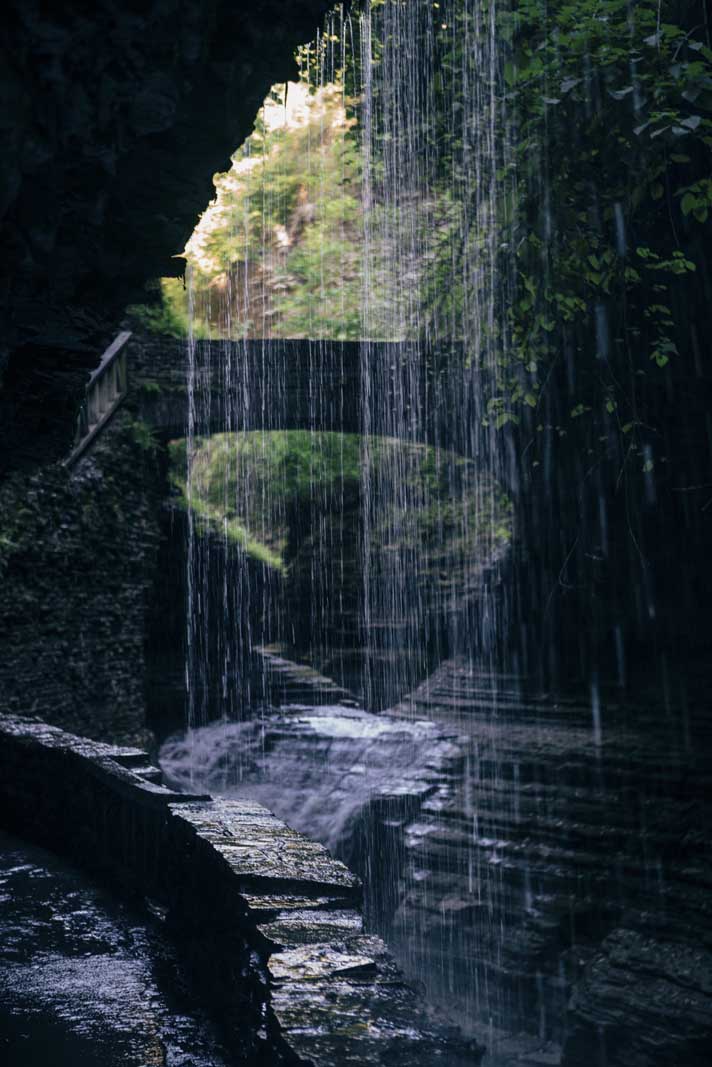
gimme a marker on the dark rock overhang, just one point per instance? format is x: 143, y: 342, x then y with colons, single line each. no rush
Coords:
x: 116, y: 117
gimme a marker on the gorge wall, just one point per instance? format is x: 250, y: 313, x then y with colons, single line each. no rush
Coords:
x: 115, y: 119
x: 77, y: 556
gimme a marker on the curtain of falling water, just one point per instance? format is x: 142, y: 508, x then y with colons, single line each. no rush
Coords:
x: 241, y: 385
x: 437, y: 175
x: 432, y: 246
x: 435, y: 279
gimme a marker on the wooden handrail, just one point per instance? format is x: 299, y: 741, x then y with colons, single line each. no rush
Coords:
x: 105, y: 390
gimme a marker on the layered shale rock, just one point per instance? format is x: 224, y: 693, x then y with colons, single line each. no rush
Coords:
x: 644, y: 998
x: 78, y: 550
x: 544, y: 871
x: 561, y: 886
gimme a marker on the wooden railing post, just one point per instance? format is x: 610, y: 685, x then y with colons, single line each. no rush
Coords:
x: 103, y: 393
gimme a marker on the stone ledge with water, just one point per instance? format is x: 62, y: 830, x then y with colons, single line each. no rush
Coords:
x: 501, y: 802
x: 266, y: 921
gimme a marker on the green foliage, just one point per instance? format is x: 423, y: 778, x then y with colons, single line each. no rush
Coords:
x: 696, y: 199
x: 150, y: 388
x: 143, y: 435
x: 251, y: 486
x: 279, y: 252
x: 168, y: 315
x: 603, y: 203
x: 612, y: 151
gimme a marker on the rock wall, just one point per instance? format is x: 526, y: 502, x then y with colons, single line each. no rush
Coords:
x: 77, y: 554
x: 115, y: 118
x: 612, y: 575
x: 548, y: 884
x: 560, y: 884
x: 268, y: 921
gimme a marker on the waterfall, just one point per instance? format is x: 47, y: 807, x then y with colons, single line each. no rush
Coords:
x: 422, y: 99
x: 428, y: 528
x: 432, y: 244
x: 370, y: 555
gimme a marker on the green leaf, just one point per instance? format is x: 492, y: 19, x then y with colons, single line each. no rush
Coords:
x: 529, y: 285
x: 503, y: 418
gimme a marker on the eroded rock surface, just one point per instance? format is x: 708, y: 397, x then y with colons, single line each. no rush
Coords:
x: 643, y: 999
x: 88, y: 977
x: 562, y: 886
x: 267, y: 921
x: 546, y: 876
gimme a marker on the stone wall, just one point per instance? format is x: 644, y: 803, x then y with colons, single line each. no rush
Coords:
x: 268, y: 921
x: 77, y: 555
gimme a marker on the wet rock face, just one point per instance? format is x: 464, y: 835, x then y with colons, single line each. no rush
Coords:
x: 77, y: 558
x: 549, y: 887
x: 85, y: 975
x: 267, y: 922
x: 664, y: 984
x: 562, y: 885
x: 115, y: 118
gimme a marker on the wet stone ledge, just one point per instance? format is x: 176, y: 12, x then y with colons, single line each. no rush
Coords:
x: 267, y: 921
